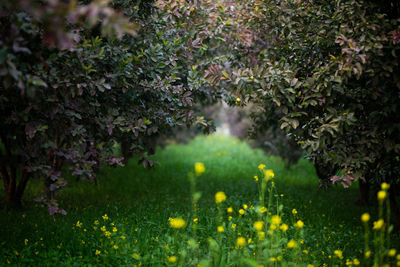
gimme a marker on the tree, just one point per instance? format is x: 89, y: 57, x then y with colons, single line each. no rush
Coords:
x: 330, y: 74
x: 67, y: 94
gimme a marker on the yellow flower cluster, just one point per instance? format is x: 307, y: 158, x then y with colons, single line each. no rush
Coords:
x: 199, y: 168
x: 291, y: 244
x: 378, y: 225
x: 172, y: 259
x: 241, y: 241
x: 261, y: 167
x: 365, y: 217
x: 269, y: 175
x: 276, y: 220
x: 299, y: 224
x: 177, y: 223
x: 258, y: 225
x: 338, y: 253
x: 220, y: 197
x: 284, y: 227
x: 382, y: 195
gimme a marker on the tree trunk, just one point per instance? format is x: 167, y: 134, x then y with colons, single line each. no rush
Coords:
x: 364, y: 192
x: 14, y: 189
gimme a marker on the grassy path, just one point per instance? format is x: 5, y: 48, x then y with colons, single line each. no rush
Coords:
x: 139, y: 203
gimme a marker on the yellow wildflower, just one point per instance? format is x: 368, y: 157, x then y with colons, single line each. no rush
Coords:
x: 365, y: 217
x: 96, y: 222
x: 79, y: 224
x: 310, y: 265
x: 123, y: 237
x: 229, y: 210
x: 261, y: 167
x: 230, y: 218
x: 294, y: 211
x: 172, y: 259
x: 241, y: 241
x: 220, y: 197
x: 378, y: 225
x: 338, y: 254
x: 177, y: 223
x: 196, y: 220
x: 114, y: 229
x: 367, y: 254
x: 276, y: 220
x: 97, y: 252
x: 199, y: 168
x: 263, y: 209
x: 241, y: 211
x: 256, y: 178
x: 284, y: 227
x: 272, y: 227
x: 269, y: 174
x: 291, y: 244
x: 26, y: 242
x: 237, y: 101
x: 356, y: 262
x: 392, y: 252
x: 258, y: 225
x: 103, y: 228
x: 382, y: 195
x: 105, y: 217
x: 272, y: 259
x: 115, y: 247
x: 233, y: 226
x: 299, y: 224
x: 107, y: 234
x: 220, y: 229
x: 245, y: 206
x: 385, y: 186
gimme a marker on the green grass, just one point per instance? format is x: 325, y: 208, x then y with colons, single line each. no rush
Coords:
x: 140, y: 202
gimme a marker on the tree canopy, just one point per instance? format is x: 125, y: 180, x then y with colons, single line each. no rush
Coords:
x: 77, y: 78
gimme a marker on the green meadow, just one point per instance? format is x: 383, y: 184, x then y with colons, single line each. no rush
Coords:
x: 168, y: 216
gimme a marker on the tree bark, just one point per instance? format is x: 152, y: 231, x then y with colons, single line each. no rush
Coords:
x: 364, y: 192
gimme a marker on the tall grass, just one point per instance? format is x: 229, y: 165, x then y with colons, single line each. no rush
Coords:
x: 134, y: 217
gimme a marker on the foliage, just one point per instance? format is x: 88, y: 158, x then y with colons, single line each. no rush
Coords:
x: 68, y: 95
x: 49, y: 92
x: 269, y: 137
x: 329, y: 73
